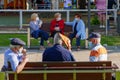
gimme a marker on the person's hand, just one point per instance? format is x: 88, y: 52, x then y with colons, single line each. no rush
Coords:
x: 77, y: 36
x: 40, y: 24
x: 57, y: 28
x: 24, y: 51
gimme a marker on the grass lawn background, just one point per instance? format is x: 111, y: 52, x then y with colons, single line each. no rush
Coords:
x: 5, y: 40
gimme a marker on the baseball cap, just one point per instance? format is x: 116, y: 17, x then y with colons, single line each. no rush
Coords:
x: 17, y: 41
x: 94, y: 35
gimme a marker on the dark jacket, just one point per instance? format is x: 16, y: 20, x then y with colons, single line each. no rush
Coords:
x: 57, y: 53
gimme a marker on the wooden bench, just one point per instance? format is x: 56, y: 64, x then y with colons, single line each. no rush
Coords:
x: 46, y: 27
x: 65, y: 71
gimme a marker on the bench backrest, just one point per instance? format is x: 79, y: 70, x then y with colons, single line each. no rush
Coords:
x: 46, y: 27
x: 35, y: 66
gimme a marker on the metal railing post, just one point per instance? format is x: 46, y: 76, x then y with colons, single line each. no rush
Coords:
x: 21, y: 17
x: 106, y: 18
x: 68, y: 15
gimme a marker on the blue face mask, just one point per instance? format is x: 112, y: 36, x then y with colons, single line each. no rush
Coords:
x: 90, y: 45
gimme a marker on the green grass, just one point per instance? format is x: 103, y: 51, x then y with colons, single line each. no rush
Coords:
x: 118, y: 75
x: 111, y: 40
x: 5, y: 40
x: 2, y: 76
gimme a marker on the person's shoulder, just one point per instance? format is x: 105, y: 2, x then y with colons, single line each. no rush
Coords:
x: 65, y: 50
x: 31, y: 22
x: 53, y: 20
x: 62, y: 20
x: 48, y: 49
x: 9, y: 53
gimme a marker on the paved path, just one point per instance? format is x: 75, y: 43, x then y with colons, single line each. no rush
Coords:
x: 83, y: 55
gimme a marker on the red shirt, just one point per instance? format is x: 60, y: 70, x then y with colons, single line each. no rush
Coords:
x: 59, y: 23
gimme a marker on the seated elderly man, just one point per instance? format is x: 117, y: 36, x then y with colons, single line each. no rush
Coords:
x: 57, y: 52
x: 98, y: 52
x: 15, y: 56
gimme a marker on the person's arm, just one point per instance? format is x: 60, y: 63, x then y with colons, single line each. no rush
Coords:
x: 21, y: 65
x: 69, y: 23
x: 16, y: 67
x: 33, y: 26
x: 40, y: 22
x: 93, y: 56
x: 72, y: 57
x: 61, y: 25
x: 24, y: 61
x: 52, y: 26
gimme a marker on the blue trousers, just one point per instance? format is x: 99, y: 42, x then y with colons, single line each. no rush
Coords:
x: 42, y: 34
x: 73, y: 35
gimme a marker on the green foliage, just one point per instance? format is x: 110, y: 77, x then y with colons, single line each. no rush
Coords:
x: 94, y: 21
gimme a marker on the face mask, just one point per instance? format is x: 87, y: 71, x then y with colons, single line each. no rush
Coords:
x: 76, y: 19
x: 20, y: 50
x: 37, y: 19
x: 58, y: 19
x: 90, y: 45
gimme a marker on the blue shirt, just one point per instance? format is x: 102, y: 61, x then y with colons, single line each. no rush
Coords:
x: 33, y: 26
x: 57, y: 53
x: 80, y: 28
x: 13, y: 58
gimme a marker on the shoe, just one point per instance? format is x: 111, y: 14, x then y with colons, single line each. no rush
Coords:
x: 78, y: 48
x: 42, y: 48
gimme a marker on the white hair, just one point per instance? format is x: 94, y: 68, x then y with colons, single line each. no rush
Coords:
x: 57, y: 39
x: 98, y: 39
x: 57, y: 14
x: 34, y: 16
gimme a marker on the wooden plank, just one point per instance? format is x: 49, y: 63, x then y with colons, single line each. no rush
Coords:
x: 63, y: 76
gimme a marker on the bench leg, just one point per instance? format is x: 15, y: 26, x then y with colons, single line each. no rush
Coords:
x: 28, y: 38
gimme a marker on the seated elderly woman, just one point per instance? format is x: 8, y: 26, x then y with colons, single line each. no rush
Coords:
x: 36, y: 32
x: 58, y: 52
x: 57, y: 25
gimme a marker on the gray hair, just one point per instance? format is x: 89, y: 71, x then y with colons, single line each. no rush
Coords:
x: 98, y: 39
x: 57, y: 14
x: 57, y: 39
x: 14, y: 46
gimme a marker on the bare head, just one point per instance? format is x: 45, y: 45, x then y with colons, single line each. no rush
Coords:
x: 57, y: 16
x: 57, y: 39
x: 34, y: 16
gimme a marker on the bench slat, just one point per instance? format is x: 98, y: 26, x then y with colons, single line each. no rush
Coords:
x: 35, y: 66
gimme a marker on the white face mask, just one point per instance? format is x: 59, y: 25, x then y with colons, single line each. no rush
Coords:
x: 21, y: 49
x: 58, y: 19
x: 37, y: 19
x: 76, y: 19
